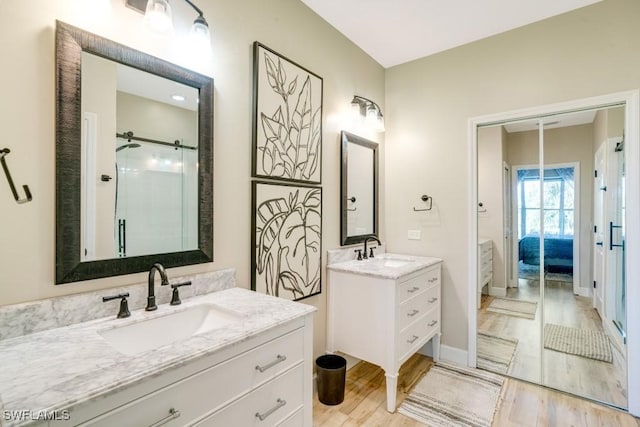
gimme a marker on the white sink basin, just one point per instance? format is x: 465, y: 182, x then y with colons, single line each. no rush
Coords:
x: 159, y: 331
x: 388, y: 262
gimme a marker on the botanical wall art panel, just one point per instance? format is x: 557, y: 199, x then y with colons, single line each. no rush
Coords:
x: 286, y: 240
x: 287, y: 125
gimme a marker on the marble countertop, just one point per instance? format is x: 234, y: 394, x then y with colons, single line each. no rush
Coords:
x: 60, y: 368
x: 387, y: 265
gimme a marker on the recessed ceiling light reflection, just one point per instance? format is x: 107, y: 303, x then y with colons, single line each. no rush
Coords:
x: 178, y: 98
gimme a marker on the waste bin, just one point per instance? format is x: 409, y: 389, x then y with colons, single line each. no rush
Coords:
x: 331, y: 370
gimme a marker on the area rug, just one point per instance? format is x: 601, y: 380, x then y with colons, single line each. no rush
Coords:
x: 514, y: 307
x: 581, y: 342
x: 495, y: 352
x: 449, y: 396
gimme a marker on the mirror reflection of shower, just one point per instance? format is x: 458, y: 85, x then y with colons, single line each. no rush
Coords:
x: 155, y: 196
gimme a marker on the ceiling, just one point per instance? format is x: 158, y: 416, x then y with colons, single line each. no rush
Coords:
x: 553, y: 122
x: 394, y: 32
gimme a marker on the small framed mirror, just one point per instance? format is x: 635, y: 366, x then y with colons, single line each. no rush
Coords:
x: 134, y: 160
x: 358, y: 189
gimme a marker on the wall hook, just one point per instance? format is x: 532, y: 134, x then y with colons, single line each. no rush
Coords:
x: 425, y: 198
x: 481, y: 207
x: 27, y: 192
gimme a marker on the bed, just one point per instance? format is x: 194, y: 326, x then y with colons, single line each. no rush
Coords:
x: 558, y: 253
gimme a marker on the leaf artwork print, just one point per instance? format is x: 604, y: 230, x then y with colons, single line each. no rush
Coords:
x: 289, y: 122
x: 287, y: 244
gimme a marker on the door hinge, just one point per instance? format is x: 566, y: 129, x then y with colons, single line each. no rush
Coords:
x: 595, y: 173
x: 594, y: 284
x: 595, y: 228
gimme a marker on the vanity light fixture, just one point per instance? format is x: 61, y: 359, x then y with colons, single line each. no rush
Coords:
x: 158, y: 18
x: 362, y: 106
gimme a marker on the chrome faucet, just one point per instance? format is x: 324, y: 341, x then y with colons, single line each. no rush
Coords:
x: 364, y: 255
x: 151, y: 298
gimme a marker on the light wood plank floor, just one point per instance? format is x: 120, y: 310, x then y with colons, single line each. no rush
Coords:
x: 585, y: 377
x: 521, y: 404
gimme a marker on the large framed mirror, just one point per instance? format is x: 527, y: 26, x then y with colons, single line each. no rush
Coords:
x: 358, y: 189
x: 134, y: 160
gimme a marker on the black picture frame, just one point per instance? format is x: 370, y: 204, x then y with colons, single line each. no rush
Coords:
x: 287, y: 119
x: 286, y: 239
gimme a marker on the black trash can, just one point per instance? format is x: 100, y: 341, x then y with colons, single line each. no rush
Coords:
x: 331, y: 370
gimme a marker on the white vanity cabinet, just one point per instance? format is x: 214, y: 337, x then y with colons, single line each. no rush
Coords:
x: 264, y: 381
x: 384, y: 320
x: 485, y: 266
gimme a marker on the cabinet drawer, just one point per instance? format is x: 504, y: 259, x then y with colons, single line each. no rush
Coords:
x: 198, y: 394
x: 416, y: 307
x: 276, y: 401
x: 418, y: 333
x: 295, y: 420
x: 413, y: 287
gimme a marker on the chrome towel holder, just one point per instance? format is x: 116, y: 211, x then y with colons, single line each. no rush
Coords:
x: 28, y: 197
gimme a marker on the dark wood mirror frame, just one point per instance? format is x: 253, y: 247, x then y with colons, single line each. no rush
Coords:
x: 70, y: 43
x: 348, y: 138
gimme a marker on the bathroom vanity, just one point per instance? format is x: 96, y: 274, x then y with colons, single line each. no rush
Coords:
x: 235, y: 357
x: 383, y: 310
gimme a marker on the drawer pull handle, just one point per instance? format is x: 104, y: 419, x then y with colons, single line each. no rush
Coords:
x: 435, y: 279
x: 432, y: 300
x: 279, y: 404
x: 173, y: 414
x: 412, y: 290
x: 432, y: 323
x: 412, y: 340
x: 413, y: 313
x: 279, y: 358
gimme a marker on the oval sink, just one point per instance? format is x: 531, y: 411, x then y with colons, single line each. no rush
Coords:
x: 156, y: 332
x: 388, y: 262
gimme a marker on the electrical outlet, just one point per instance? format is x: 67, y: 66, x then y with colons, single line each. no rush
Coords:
x: 414, y: 234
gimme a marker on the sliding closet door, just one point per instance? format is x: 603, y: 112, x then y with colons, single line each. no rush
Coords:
x: 509, y: 328
x: 566, y: 175
x: 580, y: 351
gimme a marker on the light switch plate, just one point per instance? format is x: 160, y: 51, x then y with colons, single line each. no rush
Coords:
x: 414, y: 234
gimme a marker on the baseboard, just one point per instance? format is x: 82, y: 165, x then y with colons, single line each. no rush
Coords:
x: 584, y: 292
x: 497, y: 292
x: 453, y: 355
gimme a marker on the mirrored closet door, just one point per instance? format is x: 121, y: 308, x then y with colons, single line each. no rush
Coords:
x: 551, y: 252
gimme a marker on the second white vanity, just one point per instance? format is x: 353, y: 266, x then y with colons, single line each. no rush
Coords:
x: 383, y: 310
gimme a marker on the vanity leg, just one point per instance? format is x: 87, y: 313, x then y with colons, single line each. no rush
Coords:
x: 435, y: 343
x: 392, y: 387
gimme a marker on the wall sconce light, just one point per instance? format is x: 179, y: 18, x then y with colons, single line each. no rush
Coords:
x: 362, y: 106
x: 158, y: 18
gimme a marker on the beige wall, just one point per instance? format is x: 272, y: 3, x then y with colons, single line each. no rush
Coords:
x: 588, y: 52
x: 27, y: 114
x: 491, y: 223
x: 564, y: 145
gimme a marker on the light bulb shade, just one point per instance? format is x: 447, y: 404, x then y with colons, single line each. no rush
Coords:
x: 372, y: 115
x: 355, y: 109
x: 157, y: 17
x: 379, y: 126
x: 200, y: 37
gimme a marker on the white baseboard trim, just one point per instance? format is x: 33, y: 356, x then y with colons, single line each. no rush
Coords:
x: 453, y: 355
x: 497, y: 292
x: 584, y: 292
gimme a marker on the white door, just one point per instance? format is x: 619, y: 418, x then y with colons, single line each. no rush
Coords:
x: 599, y: 189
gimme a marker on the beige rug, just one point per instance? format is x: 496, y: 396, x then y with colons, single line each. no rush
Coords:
x: 495, y: 352
x: 581, y: 342
x: 449, y: 396
x: 514, y: 307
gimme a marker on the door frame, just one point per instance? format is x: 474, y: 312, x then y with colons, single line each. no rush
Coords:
x: 631, y: 101
x: 576, y: 219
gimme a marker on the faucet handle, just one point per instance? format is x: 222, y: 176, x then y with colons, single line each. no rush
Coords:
x: 371, y: 251
x: 175, y: 297
x: 124, y: 306
x: 359, y: 251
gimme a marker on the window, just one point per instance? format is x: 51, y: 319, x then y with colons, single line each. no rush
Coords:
x: 558, y: 199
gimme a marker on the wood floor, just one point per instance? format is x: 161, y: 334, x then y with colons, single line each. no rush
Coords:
x: 521, y: 404
x: 597, y: 380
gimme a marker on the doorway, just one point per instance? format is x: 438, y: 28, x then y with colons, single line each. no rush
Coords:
x: 553, y: 305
